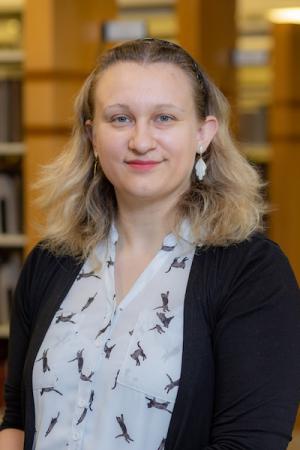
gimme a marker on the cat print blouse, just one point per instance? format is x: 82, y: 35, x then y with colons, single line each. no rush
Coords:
x: 106, y: 375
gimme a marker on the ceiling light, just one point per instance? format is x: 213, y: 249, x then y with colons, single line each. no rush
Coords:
x: 284, y: 15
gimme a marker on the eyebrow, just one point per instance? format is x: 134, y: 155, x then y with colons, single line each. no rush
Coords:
x: 159, y: 106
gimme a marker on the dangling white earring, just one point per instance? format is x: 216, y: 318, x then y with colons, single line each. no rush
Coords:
x: 200, y: 166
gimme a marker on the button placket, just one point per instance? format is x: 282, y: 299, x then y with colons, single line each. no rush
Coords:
x: 84, y: 393
x: 76, y: 435
x: 98, y: 343
x: 81, y: 403
x: 77, y: 428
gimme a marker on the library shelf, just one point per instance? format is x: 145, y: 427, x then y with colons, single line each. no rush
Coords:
x: 4, y: 330
x: 257, y: 153
x: 11, y: 6
x: 11, y: 56
x: 145, y: 3
x: 12, y: 148
x: 12, y: 240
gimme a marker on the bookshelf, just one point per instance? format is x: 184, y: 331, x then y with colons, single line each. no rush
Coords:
x: 11, y: 56
x: 160, y: 16
x: 9, y: 241
x: 257, y: 153
x: 268, y: 104
x: 12, y: 151
x: 285, y: 139
x: 254, y: 75
x: 11, y: 6
x: 4, y: 331
x: 55, y: 66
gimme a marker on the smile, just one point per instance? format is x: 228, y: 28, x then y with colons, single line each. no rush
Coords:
x: 142, y: 165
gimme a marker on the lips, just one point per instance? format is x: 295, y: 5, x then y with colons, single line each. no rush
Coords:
x: 142, y: 165
x: 138, y: 162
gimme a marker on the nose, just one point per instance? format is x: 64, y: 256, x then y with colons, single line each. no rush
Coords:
x: 141, y: 139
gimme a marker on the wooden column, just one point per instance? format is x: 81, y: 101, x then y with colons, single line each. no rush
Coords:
x: 207, y: 30
x: 62, y: 41
x: 285, y: 139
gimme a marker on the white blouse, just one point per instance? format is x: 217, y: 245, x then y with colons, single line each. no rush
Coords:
x: 106, y: 375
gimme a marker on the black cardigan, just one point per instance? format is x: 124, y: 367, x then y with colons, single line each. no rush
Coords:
x: 240, y: 378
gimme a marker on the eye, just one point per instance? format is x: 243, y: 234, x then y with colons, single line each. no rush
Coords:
x: 120, y: 120
x: 165, y: 118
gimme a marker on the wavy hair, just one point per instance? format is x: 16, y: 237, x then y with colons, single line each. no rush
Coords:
x: 225, y: 207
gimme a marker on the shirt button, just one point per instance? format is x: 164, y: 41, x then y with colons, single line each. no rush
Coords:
x: 76, y: 435
x: 81, y: 403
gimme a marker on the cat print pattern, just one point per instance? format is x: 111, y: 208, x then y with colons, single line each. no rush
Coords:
x: 115, y: 379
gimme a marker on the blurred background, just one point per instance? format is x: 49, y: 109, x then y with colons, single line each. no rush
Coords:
x: 251, y: 49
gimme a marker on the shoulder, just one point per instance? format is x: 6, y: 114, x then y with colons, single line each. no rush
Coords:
x: 42, y: 273
x: 260, y: 259
x: 256, y: 253
x: 42, y: 267
x: 248, y: 272
x: 40, y: 258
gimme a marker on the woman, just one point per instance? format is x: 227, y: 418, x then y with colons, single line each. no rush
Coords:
x: 153, y: 315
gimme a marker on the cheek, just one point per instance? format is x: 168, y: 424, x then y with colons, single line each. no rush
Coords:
x: 108, y: 163
x: 187, y: 167
x: 183, y: 156
x: 110, y: 150
x: 111, y: 162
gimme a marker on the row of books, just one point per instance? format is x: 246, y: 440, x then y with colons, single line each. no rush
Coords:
x: 9, y: 272
x: 253, y: 125
x: 10, y: 203
x: 10, y: 110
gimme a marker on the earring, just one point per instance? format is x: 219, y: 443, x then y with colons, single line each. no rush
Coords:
x: 95, y: 165
x: 200, y: 166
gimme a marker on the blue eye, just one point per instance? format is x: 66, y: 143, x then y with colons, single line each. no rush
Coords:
x: 120, y: 119
x: 165, y: 118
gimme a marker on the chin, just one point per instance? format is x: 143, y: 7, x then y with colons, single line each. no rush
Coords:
x: 143, y: 190
x: 141, y: 194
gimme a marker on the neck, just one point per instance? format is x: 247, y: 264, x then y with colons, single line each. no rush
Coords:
x: 144, y: 226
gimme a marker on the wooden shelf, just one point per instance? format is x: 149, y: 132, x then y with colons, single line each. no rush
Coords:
x: 11, y: 56
x: 260, y: 154
x: 10, y: 68
x: 12, y: 149
x: 4, y: 330
x: 11, y: 6
x: 144, y: 3
x: 12, y: 240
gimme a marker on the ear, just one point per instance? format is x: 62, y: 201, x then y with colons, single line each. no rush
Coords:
x: 89, y: 130
x: 207, y: 130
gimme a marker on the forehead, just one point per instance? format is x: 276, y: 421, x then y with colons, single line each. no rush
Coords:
x: 156, y: 82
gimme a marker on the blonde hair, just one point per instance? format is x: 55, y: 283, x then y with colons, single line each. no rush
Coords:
x: 225, y: 207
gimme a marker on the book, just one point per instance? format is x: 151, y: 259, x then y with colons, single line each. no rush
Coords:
x: 9, y: 204
x: 11, y: 110
x: 9, y: 273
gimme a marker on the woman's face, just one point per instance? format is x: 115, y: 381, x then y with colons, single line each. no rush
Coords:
x: 146, y: 131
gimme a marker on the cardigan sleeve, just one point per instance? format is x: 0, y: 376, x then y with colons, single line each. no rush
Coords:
x: 256, y: 344
x: 20, y: 331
